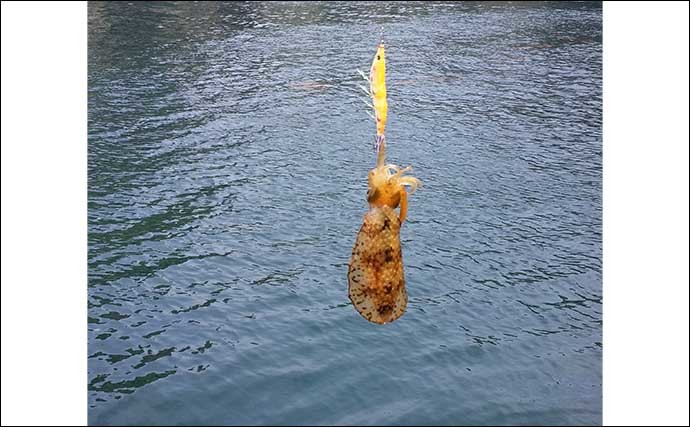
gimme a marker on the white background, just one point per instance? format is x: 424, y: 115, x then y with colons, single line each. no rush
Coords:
x: 44, y: 177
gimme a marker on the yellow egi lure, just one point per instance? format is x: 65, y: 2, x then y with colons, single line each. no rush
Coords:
x: 376, y: 277
x: 377, y: 87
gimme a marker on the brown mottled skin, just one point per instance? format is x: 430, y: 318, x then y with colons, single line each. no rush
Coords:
x: 376, y: 278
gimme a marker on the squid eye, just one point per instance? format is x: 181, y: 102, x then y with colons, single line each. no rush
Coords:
x: 378, y: 57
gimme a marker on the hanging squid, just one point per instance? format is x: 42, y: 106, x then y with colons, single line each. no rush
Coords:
x: 376, y: 277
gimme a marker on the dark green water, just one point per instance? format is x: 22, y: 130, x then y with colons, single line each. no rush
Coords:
x: 228, y: 153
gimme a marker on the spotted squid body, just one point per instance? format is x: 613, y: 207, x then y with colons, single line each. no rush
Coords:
x: 376, y: 277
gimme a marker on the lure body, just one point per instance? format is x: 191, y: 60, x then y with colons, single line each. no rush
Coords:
x: 377, y: 88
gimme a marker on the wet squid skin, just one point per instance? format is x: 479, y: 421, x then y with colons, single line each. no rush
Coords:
x: 376, y: 277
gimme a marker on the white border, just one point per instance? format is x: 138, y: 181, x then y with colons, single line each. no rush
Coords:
x: 645, y: 250
x: 43, y: 213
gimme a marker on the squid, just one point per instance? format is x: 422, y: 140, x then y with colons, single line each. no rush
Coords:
x: 376, y: 279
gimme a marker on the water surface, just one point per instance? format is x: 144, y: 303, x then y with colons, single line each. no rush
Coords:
x: 228, y: 153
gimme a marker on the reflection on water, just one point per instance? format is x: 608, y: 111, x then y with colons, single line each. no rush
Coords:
x: 228, y: 152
